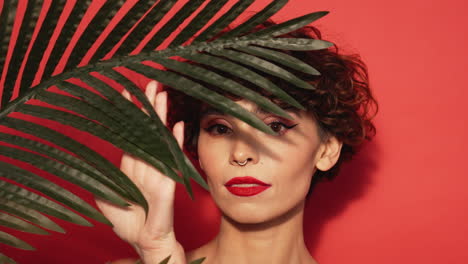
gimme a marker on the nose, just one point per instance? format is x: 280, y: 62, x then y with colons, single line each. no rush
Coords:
x: 243, y: 152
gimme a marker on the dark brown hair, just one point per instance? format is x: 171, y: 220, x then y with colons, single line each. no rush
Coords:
x: 342, y: 102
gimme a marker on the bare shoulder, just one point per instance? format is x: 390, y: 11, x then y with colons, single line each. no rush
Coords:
x: 123, y: 261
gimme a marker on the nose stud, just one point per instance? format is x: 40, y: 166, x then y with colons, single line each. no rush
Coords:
x: 243, y: 163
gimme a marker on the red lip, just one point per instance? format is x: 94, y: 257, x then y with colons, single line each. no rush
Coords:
x: 247, y: 190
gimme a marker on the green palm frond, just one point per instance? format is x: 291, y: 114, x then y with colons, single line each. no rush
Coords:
x: 166, y: 260
x: 6, y: 260
x: 104, y: 113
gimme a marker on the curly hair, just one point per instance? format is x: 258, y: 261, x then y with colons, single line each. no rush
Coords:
x: 341, y: 103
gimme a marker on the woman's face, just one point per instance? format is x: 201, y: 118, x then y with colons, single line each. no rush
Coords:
x: 285, y: 162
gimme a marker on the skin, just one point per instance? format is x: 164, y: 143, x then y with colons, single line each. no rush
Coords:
x: 264, y: 228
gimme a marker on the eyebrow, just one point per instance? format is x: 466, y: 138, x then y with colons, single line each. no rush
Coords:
x: 257, y: 111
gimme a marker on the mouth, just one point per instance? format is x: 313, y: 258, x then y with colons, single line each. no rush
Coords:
x: 246, y: 186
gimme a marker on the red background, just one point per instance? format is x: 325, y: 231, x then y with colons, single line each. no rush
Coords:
x: 403, y: 199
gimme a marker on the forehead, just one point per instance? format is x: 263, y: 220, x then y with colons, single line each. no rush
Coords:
x: 249, y: 106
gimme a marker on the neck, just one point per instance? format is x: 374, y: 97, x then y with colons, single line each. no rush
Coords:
x: 277, y: 241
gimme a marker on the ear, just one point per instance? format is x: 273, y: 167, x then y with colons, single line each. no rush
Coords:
x: 329, y: 153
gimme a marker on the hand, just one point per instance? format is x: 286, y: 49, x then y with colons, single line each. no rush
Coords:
x: 153, y: 239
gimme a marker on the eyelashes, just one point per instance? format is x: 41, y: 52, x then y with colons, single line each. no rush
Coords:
x: 220, y: 129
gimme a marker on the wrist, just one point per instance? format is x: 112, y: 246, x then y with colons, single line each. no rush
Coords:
x: 157, y: 255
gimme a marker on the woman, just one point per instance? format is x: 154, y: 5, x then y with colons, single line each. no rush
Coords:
x: 259, y: 182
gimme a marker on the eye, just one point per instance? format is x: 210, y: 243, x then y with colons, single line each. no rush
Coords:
x: 220, y: 129
x: 280, y: 127
x: 217, y: 129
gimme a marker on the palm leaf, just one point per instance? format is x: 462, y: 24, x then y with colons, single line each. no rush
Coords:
x: 145, y: 26
x: 40, y: 44
x: 65, y: 36
x: 257, y: 19
x: 198, y: 261
x: 281, y: 58
x: 173, y: 23
x: 166, y: 260
x: 24, y: 37
x: 243, y: 73
x: 31, y: 200
x: 124, y: 25
x: 29, y: 214
x: 21, y: 225
x: 224, y: 20
x: 93, y: 31
x: 10, y: 240
x: 6, y: 260
x: 81, y: 98
x: 6, y: 25
x: 264, y: 66
x: 198, y: 22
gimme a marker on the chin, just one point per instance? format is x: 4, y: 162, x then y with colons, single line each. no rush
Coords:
x: 249, y: 215
x: 247, y: 219
x: 254, y: 214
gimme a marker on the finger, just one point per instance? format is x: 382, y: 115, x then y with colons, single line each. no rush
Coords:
x: 140, y: 169
x: 127, y: 95
x: 161, y: 106
x: 108, y: 208
x: 127, y: 165
x: 150, y: 92
x: 161, y: 213
x: 178, y: 132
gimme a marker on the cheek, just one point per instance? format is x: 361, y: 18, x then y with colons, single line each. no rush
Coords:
x: 296, y: 168
x: 210, y: 155
x: 296, y: 172
x: 296, y: 157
